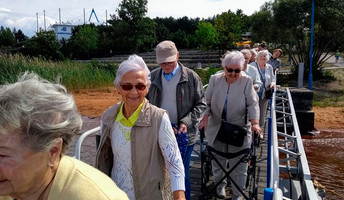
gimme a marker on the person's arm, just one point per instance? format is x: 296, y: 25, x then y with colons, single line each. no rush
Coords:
x: 179, y: 195
x: 257, y: 82
x: 208, y: 98
x: 255, y: 126
x: 252, y: 108
x: 173, y: 160
x: 204, y: 122
x: 199, y: 105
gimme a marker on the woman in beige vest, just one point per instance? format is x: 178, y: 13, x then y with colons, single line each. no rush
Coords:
x: 138, y: 148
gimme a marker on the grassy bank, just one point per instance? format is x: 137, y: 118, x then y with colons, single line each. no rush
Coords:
x: 73, y: 75
x: 330, y: 94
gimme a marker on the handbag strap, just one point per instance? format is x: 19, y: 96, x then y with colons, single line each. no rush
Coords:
x: 224, y: 111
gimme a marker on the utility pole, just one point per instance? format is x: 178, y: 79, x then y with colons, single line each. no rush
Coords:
x: 84, y: 17
x: 45, y: 28
x: 37, y: 21
x: 106, y: 17
x: 60, y: 15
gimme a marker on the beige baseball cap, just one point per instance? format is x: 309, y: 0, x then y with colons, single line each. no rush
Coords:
x: 166, y: 51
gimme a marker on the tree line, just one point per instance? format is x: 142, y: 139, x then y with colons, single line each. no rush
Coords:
x: 283, y: 24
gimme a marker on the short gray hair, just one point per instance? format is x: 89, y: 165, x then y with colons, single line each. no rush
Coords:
x: 246, y: 51
x: 233, y: 58
x: 264, y: 53
x: 42, y: 111
x: 133, y: 63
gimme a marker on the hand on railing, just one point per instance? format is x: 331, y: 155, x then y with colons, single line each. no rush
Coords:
x: 256, y: 139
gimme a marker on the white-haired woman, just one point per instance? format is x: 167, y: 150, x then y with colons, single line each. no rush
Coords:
x: 253, y: 56
x: 268, y: 78
x: 138, y: 148
x: 38, y: 120
x: 230, y: 96
x: 251, y: 70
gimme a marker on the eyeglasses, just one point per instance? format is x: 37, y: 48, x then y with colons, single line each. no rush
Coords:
x: 166, y: 64
x: 128, y: 87
x: 230, y: 70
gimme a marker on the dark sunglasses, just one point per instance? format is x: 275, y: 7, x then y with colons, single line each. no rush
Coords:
x: 128, y: 87
x: 233, y: 70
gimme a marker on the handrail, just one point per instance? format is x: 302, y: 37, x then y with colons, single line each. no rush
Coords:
x: 287, y: 142
x: 81, y: 139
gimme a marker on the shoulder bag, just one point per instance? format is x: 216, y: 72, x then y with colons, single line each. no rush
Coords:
x: 230, y: 133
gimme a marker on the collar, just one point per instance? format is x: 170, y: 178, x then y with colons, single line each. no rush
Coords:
x: 132, y: 119
x: 172, y: 74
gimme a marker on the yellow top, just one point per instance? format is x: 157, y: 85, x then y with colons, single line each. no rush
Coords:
x: 77, y: 180
x: 132, y: 119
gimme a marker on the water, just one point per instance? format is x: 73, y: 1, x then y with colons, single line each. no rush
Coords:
x: 325, y: 155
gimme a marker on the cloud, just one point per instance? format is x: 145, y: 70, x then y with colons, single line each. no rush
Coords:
x: 5, y: 10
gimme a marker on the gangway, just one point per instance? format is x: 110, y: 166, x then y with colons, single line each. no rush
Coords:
x: 288, y: 172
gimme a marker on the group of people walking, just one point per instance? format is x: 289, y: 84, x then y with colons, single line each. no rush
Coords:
x: 138, y: 153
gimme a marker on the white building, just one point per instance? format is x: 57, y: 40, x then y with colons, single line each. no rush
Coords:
x: 63, y: 31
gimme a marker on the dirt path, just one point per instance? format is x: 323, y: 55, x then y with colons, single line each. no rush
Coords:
x: 93, y: 102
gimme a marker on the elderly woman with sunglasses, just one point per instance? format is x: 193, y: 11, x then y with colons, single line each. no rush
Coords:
x: 230, y: 96
x: 138, y: 149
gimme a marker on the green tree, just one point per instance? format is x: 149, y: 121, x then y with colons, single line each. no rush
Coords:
x: 20, y: 37
x: 132, y: 11
x: 146, y: 35
x: 261, y: 24
x: 180, y: 38
x: 6, y: 37
x: 43, y: 44
x: 135, y: 32
x: 229, y: 27
x: 207, y: 36
x: 292, y: 31
x: 84, y: 41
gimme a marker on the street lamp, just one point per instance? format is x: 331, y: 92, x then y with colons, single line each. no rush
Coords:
x: 310, y: 78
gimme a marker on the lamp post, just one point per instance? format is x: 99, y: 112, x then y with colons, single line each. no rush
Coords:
x: 310, y: 78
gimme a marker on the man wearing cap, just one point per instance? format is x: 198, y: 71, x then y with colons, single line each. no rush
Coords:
x: 179, y: 90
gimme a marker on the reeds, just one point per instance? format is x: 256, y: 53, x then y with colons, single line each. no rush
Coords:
x: 73, y: 75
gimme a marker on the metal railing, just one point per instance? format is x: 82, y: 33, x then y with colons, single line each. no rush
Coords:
x: 286, y: 152
x: 81, y: 140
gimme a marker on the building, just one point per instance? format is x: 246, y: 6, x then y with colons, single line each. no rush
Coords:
x: 63, y: 31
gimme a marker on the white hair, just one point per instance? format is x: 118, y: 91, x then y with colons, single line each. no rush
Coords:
x: 40, y: 110
x: 246, y: 51
x: 134, y: 62
x: 263, y: 53
x: 233, y: 58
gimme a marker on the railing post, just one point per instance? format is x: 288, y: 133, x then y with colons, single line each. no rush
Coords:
x: 268, y: 173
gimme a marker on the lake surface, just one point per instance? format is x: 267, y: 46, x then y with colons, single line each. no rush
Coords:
x: 325, y: 155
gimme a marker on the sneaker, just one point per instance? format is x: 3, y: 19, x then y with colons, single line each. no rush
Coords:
x: 221, y: 192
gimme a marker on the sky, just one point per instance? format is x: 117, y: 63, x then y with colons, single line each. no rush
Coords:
x: 22, y: 14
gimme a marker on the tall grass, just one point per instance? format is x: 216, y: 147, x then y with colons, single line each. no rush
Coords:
x: 73, y: 75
